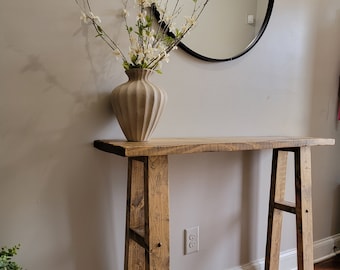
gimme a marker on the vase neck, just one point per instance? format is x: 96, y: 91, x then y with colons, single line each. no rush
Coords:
x: 138, y: 73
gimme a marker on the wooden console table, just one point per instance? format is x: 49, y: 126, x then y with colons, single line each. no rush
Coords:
x: 147, y: 213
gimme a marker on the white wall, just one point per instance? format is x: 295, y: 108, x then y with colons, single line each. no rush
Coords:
x: 64, y: 201
x: 224, y: 21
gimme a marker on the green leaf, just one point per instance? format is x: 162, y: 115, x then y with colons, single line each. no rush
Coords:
x: 6, y: 257
x: 100, y: 30
x: 126, y: 65
x: 134, y: 59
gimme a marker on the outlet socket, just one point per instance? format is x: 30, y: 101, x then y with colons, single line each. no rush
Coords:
x: 191, y: 240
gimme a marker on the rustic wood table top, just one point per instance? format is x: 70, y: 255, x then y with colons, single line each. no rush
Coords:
x: 171, y: 146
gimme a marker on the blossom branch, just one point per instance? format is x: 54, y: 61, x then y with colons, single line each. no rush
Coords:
x: 149, y: 44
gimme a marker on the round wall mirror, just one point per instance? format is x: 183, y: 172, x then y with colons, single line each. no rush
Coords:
x: 227, y: 29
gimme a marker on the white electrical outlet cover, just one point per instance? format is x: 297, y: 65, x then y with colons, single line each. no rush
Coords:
x: 191, y: 240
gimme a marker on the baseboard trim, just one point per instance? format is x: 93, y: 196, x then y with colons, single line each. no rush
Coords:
x: 326, y: 248
x: 323, y: 250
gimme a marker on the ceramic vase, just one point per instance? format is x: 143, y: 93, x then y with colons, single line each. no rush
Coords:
x: 138, y: 105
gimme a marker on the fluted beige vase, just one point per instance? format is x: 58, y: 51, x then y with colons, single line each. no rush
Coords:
x: 138, y: 105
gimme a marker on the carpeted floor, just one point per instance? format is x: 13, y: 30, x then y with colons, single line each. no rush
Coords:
x: 331, y: 264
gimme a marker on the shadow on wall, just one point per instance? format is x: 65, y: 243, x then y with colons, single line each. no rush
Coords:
x: 90, y: 187
x: 250, y: 204
x: 75, y: 192
x: 93, y: 185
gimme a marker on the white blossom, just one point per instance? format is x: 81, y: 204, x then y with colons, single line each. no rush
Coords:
x: 141, y: 17
x: 145, y: 3
x: 117, y: 53
x: 84, y: 18
x: 94, y: 17
x: 125, y: 13
x: 166, y: 57
x: 190, y: 21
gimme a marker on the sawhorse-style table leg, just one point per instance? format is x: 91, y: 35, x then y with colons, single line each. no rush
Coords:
x: 302, y: 207
x: 147, y: 215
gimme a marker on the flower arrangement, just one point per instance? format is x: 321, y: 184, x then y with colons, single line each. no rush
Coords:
x: 151, y: 39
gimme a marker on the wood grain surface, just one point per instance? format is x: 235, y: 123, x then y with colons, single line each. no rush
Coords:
x: 171, y: 146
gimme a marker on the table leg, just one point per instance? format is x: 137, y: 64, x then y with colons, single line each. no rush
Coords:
x: 157, y: 213
x: 277, y: 193
x: 134, y: 253
x: 302, y: 208
x: 304, y: 218
x: 147, y: 244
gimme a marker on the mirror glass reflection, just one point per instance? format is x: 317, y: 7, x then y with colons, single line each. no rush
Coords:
x: 226, y: 29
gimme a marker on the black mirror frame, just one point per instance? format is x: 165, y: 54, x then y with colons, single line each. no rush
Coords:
x: 247, y: 49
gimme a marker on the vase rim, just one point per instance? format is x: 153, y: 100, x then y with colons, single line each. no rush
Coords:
x: 136, y: 69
